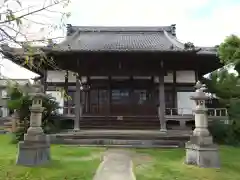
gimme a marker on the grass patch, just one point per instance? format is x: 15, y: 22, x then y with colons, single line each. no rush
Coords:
x: 169, y: 164
x: 68, y: 163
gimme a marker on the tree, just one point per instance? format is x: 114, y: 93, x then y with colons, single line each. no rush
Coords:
x: 20, y: 100
x: 19, y: 15
x: 229, y: 52
x: 19, y: 20
x: 225, y: 84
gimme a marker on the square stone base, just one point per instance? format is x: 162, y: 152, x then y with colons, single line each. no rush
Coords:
x: 34, y: 152
x: 206, y: 156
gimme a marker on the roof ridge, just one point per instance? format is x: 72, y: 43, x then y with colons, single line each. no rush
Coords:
x: 71, y: 29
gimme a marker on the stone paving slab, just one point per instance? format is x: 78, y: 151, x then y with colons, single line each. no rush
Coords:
x: 116, y: 165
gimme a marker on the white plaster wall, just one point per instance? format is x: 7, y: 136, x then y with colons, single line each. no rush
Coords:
x: 4, y: 93
x: 4, y: 111
x: 185, y: 77
x: 55, y: 76
x: 59, y: 98
x: 169, y: 77
x: 184, y: 101
x: 71, y: 77
x: 59, y: 76
x: 182, y: 77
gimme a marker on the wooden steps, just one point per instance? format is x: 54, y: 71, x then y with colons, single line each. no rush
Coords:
x: 121, y: 123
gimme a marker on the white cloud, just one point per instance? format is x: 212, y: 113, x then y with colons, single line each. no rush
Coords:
x: 131, y: 12
x: 207, y: 29
x: 211, y: 30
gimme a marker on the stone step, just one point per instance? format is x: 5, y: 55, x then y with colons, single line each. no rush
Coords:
x: 120, y: 142
x: 122, y: 136
x: 124, y: 146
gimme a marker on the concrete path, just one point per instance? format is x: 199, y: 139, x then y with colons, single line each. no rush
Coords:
x: 116, y: 165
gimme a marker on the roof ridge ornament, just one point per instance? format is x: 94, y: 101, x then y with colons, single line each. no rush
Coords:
x: 69, y: 29
x: 189, y: 46
x: 173, y: 29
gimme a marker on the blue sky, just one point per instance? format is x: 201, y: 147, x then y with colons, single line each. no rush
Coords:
x: 203, y: 22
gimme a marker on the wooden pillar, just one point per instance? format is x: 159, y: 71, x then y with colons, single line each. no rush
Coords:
x: 78, y: 111
x: 98, y: 104
x: 132, y: 104
x: 174, y: 91
x: 109, y: 95
x: 44, y: 80
x: 66, y: 104
x: 88, y: 96
x: 161, y: 90
x: 196, y: 76
x: 86, y: 101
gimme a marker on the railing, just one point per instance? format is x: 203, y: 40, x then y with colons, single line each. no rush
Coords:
x: 69, y: 110
x: 212, y: 112
x: 179, y: 111
x: 217, y: 112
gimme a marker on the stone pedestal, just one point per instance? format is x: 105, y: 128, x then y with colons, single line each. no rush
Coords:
x: 35, y: 149
x: 200, y: 150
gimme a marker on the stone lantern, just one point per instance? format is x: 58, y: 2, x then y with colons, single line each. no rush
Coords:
x: 201, y: 120
x: 200, y: 150
x: 35, y: 149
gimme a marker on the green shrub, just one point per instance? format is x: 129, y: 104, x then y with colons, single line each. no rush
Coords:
x: 225, y: 133
x: 234, y: 135
x: 219, y: 131
x: 21, y: 102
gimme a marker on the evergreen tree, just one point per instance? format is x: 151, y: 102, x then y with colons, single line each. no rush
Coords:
x: 225, y: 84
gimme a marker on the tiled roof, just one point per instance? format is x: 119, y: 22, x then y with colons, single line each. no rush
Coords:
x: 116, y: 39
x: 120, y: 39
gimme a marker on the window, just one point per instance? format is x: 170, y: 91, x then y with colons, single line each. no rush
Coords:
x: 140, y: 96
x: 120, y: 96
x: 103, y: 96
x: 93, y: 96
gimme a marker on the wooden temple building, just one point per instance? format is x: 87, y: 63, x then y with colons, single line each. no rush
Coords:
x: 124, y: 77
